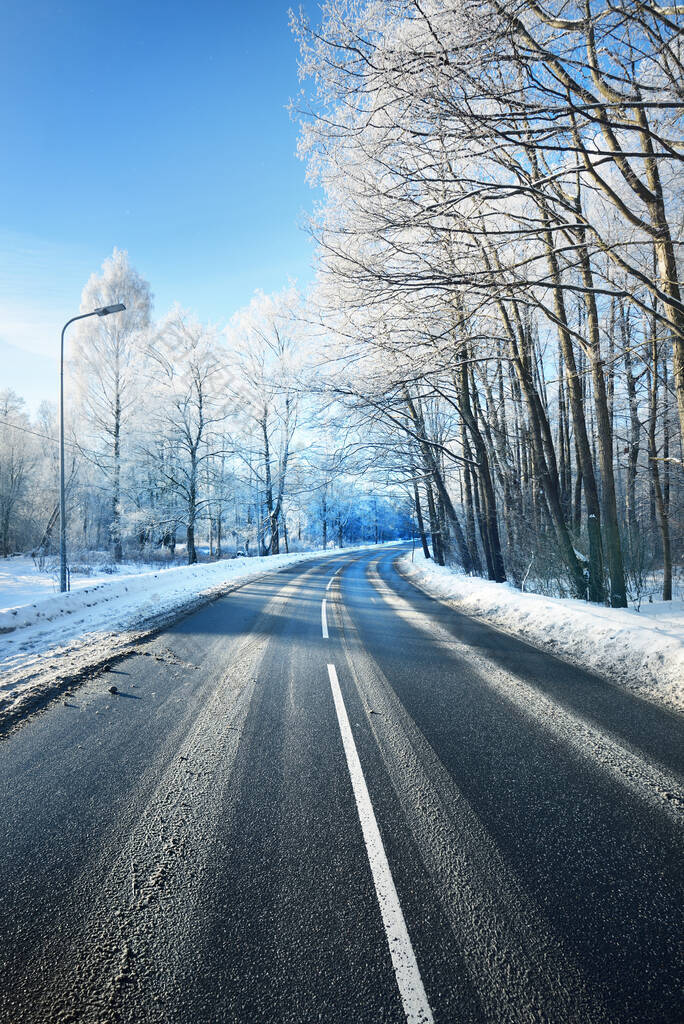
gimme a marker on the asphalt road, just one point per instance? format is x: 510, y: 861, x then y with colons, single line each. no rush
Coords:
x: 411, y: 818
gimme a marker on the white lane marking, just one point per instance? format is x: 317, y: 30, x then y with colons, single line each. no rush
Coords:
x: 411, y: 989
x: 330, y: 581
x: 324, y: 620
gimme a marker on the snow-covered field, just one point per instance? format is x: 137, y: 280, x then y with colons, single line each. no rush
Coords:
x: 46, y: 637
x: 21, y: 582
x: 42, y: 614
x: 643, y: 651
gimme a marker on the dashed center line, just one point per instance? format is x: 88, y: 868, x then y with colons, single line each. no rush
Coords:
x: 409, y: 981
x: 324, y: 620
x: 330, y: 581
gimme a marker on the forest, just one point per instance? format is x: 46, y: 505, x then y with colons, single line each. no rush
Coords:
x: 183, y: 441
x: 500, y: 251
x: 491, y: 353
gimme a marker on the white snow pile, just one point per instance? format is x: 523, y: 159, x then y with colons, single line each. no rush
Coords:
x: 123, y: 600
x: 57, y: 636
x: 22, y: 582
x: 643, y: 651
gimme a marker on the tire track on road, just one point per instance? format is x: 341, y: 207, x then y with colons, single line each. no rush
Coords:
x: 651, y: 784
x: 518, y: 968
x: 121, y: 962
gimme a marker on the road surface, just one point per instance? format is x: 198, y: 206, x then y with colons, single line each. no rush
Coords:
x: 327, y: 797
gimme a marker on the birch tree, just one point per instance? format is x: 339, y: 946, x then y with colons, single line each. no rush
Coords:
x: 106, y: 364
x: 263, y: 339
x: 188, y: 409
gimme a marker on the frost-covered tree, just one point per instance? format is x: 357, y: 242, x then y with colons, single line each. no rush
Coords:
x: 18, y: 456
x: 187, y: 404
x: 262, y: 339
x: 491, y: 196
x: 106, y: 364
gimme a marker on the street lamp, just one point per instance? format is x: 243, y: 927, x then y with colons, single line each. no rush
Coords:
x: 102, y: 311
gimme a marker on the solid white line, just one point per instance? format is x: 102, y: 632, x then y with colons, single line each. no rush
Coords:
x: 324, y: 621
x: 411, y: 989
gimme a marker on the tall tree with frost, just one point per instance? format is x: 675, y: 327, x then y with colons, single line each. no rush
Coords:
x: 263, y: 338
x: 188, y: 400
x: 105, y: 359
x: 16, y: 459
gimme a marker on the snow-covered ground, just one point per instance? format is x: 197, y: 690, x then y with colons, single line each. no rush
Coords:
x: 47, y: 637
x: 22, y: 582
x: 42, y: 615
x: 643, y: 651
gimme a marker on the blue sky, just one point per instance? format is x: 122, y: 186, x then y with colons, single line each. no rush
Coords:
x: 159, y: 128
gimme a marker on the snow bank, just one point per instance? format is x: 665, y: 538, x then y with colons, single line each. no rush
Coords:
x: 123, y: 601
x: 21, y: 582
x: 48, y: 643
x: 643, y: 651
x: 113, y: 602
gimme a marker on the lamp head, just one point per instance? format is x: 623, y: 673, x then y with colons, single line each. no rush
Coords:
x: 106, y: 310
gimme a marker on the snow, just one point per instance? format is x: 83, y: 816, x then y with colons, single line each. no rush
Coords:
x: 643, y: 651
x: 51, y: 637
x: 34, y: 614
x: 21, y: 582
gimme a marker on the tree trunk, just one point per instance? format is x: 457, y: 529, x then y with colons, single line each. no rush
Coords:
x: 282, y: 473
x: 574, y: 384
x: 419, y: 519
x: 469, y: 484
x: 495, y: 566
x: 666, y: 260
x: 47, y: 534
x: 663, y: 521
x: 5, y: 532
x: 539, y: 429
x: 437, y: 549
x: 275, y: 533
x: 115, y: 528
x: 273, y: 545
x: 192, y: 509
x: 432, y: 470
x: 634, y: 433
x: 611, y: 531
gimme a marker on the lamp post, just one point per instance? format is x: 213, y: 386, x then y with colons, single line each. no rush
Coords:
x: 102, y: 311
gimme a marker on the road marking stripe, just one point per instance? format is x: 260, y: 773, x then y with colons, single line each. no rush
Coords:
x: 330, y: 581
x: 411, y: 989
x: 324, y: 621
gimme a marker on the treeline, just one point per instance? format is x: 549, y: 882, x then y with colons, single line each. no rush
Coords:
x: 500, y: 269
x: 182, y: 441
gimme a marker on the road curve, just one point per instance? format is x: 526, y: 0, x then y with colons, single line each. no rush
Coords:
x: 328, y: 797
